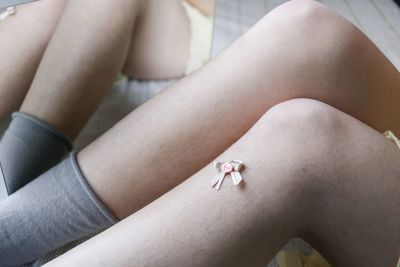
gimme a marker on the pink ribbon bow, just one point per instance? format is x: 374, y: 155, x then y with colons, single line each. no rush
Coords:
x: 233, y: 168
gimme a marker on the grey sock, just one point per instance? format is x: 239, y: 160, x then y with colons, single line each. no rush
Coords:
x: 29, y: 147
x: 55, y: 209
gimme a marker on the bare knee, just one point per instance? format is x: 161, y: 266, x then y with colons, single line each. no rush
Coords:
x: 342, y: 167
x: 323, y: 141
x: 316, y: 163
x: 314, y: 53
x: 292, y: 141
x: 309, y: 122
x: 312, y: 18
x: 313, y: 34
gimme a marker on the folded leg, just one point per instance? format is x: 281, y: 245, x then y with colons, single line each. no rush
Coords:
x: 173, y: 136
x: 83, y: 57
x: 300, y: 49
x: 23, y: 40
x: 311, y: 171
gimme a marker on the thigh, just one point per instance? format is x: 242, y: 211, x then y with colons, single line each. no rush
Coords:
x: 23, y: 39
x: 353, y: 198
x: 160, y: 41
x: 304, y: 49
x: 314, y: 179
x: 275, y: 61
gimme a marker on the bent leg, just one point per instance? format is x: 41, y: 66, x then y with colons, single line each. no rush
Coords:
x: 292, y: 52
x: 307, y: 174
x: 160, y: 42
x: 83, y: 58
x: 85, y: 54
x: 66, y: 90
x: 23, y: 39
x: 90, y: 47
x: 177, y: 133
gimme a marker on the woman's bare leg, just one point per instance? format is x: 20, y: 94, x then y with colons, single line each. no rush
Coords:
x: 23, y: 40
x: 300, y: 49
x: 311, y: 171
x: 160, y: 42
x: 82, y: 61
x: 83, y: 58
x: 179, y: 139
x: 88, y: 49
x: 205, y: 6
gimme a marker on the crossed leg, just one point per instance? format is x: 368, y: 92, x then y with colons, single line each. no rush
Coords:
x: 185, y: 128
x: 311, y: 171
x: 300, y: 49
x: 339, y: 196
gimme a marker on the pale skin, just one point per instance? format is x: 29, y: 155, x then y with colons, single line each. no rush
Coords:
x: 338, y: 191
x: 184, y: 129
x: 81, y: 62
x: 20, y: 54
x: 344, y: 203
x: 198, y: 118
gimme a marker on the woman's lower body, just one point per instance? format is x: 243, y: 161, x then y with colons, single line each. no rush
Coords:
x: 69, y: 53
x: 339, y: 196
x: 311, y: 172
x: 61, y: 58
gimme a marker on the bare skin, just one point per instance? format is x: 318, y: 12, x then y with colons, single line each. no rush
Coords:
x: 308, y: 175
x: 176, y: 134
x: 191, y: 126
x: 81, y: 62
x: 160, y: 42
x: 23, y: 40
x: 327, y: 170
x: 205, y: 6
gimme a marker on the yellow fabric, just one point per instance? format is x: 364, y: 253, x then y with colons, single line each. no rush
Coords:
x: 297, y: 259
x: 201, y: 38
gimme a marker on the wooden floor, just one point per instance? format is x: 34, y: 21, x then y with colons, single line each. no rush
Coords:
x: 378, y: 19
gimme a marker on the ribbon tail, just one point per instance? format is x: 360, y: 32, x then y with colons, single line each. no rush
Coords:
x: 218, y: 186
x: 236, y: 178
x: 217, y: 180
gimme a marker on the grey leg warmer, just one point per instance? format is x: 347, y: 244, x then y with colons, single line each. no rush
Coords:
x: 55, y: 209
x: 29, y: 147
